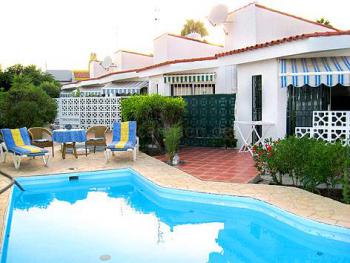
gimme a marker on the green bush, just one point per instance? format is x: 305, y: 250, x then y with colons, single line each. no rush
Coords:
x: 35, y: 75
x: 324, y: 165
x: 308, y: 162
x: 26, y: 105
x: 172, y: 137
x: 153, y: 114
x: 51, y: 89
x: 346, y: 190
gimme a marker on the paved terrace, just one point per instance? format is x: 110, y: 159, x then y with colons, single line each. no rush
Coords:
x: 293, y: 200
x: 216, y: 164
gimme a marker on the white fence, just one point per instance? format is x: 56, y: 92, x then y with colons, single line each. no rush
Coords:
x: 330, y: 126
x: 84, y: 112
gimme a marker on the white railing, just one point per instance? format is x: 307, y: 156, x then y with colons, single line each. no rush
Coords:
x: 84, y: 112
x: 330, y: 126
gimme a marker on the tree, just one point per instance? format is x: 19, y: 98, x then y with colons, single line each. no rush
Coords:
x: 324, y: 21
x: 26, y: 105
x: 34, y: 74
x: 192, y: 26
x: 50, y: 88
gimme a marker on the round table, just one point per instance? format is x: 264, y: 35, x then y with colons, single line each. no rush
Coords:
x: 69, y: 138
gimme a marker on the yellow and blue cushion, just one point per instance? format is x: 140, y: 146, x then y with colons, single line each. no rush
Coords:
x: 124, y: 136
x: 18, y: 142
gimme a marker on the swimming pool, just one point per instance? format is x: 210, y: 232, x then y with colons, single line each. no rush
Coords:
x: 119, y: 216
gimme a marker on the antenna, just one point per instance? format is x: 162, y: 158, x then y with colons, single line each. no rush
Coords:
x: 156, y: 14
x: 156, y: 21
x: 218, y: 15
x: 107, y: 62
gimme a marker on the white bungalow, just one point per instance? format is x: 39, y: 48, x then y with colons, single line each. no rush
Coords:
x: 281, y: 68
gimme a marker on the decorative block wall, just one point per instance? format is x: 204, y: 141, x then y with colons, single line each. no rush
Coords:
x: 84, y: 112
x: 330, y: 126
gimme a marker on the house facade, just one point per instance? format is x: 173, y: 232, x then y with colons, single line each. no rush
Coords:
x: 281, y: 68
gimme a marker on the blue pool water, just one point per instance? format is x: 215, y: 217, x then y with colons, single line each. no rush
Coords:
x: 118, y: 216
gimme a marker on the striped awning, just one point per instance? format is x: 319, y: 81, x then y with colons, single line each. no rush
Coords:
x: 131, y: 87
x: 329, y: 71
x: 190, y: 78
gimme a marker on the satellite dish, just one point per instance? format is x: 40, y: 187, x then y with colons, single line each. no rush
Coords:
x: 218, y: 15
x: 107, y: 62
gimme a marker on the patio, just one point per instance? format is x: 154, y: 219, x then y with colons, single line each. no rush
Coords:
x: 217, y: 164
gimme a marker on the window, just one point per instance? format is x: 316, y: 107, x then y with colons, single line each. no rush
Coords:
x: 302, y: 101
x: 257, y: 103
x: 183, y: 89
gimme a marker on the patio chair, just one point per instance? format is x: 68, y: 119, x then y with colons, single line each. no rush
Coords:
x: 98, y: 139
x: 17, y: 142
x: 124, y: 139
x: 42, y: 138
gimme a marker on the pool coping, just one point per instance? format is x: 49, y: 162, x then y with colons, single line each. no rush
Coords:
x: 293, y: 200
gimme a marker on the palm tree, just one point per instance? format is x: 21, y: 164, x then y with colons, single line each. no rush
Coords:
x: 324, y: 21
x: 192, y: 26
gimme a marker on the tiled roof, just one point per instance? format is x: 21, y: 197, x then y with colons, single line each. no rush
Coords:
x: 81, y: 74
x: 283, y: 40
x: 109, y: 74
x: 176, y: 61
x: 235, y: 51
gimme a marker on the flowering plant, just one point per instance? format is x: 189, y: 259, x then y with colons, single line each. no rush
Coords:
x: 265, y: 162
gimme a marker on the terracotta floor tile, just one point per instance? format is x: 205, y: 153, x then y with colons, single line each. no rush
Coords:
x: 216, y: 164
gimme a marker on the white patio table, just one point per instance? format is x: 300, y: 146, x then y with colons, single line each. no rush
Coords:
x: 247, y: 147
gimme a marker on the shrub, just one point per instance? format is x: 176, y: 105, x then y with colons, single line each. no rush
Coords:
x: 308, y: 162
x: 35, y: 75
x: 51, y: 89
x: 324, y: 165
x: 345, y: 190
x: 153, y: 114
x: 26, y: 105
x: 172, y: 137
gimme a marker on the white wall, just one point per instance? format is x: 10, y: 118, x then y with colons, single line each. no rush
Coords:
x: 129, y: 60
x: 254, y: 25
x: 272, y: 25
x: 226, y: 80
x: 168, y: 47
x: 157, y: 86
x: 96, y: 69
x: 242, y: 30
x: 274, y: 98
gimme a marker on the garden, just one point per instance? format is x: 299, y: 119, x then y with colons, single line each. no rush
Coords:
x: 314, y: 165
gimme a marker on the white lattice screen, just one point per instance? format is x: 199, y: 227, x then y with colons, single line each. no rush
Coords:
x: 330, y: 126
x: 84, y: 112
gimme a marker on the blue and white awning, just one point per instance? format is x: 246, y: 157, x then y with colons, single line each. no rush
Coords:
x: 131, y: 87
x: 329, y: 71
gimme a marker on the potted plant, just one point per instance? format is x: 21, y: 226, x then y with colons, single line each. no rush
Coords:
x: 172, y: 137
x: 229, y: 137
